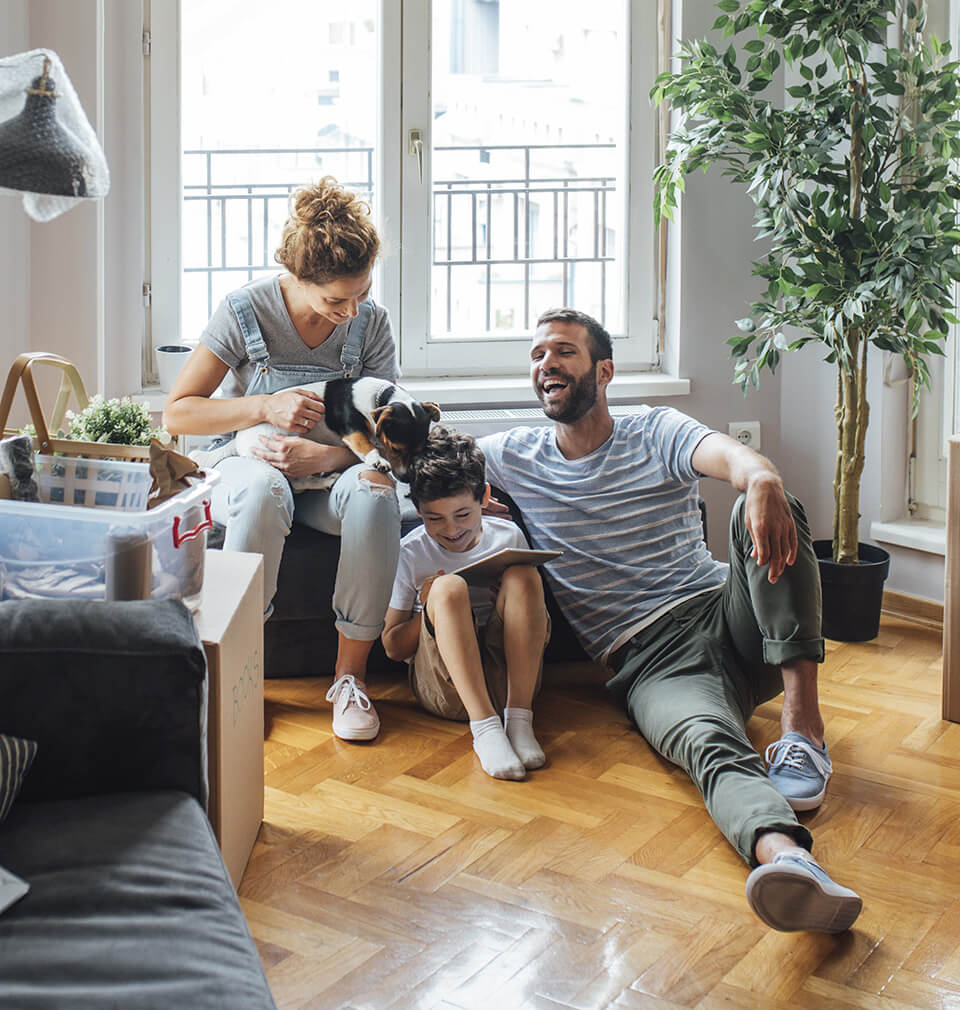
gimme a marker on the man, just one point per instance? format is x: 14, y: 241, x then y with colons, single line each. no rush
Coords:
x: 695, y: 645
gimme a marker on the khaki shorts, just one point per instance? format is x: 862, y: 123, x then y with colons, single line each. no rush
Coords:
x: 431, y: 683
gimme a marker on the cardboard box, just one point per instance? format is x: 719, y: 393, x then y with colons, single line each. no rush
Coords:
x: 230, y: 622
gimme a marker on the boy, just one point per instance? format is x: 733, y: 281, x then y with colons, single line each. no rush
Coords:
x: 442, y: 625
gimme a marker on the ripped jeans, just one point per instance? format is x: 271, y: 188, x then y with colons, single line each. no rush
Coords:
x: 254, y: 501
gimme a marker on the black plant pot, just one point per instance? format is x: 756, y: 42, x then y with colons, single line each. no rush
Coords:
x: 852, y: 594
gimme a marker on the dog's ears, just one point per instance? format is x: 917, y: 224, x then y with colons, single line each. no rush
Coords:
x: 433, y: 409
x: 379, y: 415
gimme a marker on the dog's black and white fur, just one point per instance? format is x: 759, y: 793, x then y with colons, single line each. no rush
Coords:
x: 380, y: 421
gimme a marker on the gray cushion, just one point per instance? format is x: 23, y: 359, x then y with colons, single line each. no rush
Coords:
x: 129, y: 907
x: 113, y: 693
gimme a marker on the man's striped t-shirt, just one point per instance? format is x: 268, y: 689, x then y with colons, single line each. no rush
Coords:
x: 625, y: 517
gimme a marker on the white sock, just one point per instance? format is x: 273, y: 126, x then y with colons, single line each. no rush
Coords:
x: 518, y: 723
x: 493, y: 748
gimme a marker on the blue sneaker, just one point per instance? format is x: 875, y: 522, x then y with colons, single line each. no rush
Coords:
x: 799, y: 770
x: 794, y: 892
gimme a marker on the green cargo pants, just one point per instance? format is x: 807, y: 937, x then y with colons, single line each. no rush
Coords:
x: 692, y: 679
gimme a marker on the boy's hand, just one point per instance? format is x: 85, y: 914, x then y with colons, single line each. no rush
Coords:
x: 425, y: 588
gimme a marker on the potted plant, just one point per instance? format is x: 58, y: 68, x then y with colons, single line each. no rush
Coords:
x: 854, y: 189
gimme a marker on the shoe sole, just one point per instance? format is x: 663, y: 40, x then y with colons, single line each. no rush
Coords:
x: 806, y: 802
x: 791, y: 901
x: 357, y: 734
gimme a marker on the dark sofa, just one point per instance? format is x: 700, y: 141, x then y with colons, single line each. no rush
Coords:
x: 130, y: 904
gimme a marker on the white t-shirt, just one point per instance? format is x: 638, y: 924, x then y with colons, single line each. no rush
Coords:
x: 422, y: 557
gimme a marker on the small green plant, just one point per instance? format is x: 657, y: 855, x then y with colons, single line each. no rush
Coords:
x: 120, y: 421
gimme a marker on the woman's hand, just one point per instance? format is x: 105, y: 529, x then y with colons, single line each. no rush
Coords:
x: 425, y: 588
x: 297, y: 457
x: 294, y: 410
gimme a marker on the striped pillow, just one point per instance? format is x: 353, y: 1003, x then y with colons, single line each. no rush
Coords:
x: 16, y: 756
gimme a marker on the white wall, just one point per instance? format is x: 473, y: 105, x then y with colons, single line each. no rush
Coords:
x: 14, y: 224
x: 72, y: 285
x: 709, y: 286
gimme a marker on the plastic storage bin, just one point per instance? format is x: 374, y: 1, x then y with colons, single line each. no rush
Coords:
x: 91, y: 535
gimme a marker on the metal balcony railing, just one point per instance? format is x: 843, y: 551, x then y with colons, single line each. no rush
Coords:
x: 530, y: 210
x: 539, y: 209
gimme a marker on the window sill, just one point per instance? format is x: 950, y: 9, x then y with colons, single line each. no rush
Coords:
x: 490, y: 392
x: 919, y: 534
x: 152, y: 397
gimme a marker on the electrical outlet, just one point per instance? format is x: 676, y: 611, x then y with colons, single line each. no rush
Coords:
x: 746, y: 432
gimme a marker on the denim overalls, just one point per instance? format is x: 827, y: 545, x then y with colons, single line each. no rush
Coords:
x: 269, y: 377
x: 257, y: 507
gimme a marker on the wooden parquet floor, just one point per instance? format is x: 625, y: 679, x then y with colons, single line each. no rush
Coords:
x: 398, y: 875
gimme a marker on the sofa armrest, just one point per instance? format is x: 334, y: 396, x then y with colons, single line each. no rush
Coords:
x: 113, y: 693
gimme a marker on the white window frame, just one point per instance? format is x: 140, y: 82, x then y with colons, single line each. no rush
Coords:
x: 403, y: 278
x: 164, y: 197
x: 636, y: 347
x: 939, y: 414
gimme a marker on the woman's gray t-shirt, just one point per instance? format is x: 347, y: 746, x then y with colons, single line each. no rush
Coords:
x: 224, y: 337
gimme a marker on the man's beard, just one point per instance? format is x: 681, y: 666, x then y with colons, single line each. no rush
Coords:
x: 581, y: 396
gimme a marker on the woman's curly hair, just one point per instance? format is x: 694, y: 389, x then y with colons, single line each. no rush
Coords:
x: 329, y: 234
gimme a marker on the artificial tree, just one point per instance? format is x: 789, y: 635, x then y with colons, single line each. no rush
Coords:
x: 854, y: 188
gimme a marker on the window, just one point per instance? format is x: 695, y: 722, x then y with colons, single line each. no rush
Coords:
x: 506, y: 149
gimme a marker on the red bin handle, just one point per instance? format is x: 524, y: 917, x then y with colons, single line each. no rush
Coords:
x: 204, y: 524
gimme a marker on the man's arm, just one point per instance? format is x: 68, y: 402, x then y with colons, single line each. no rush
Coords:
x: 769, y: 519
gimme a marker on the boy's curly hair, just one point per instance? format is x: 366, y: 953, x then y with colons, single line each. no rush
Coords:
x: 450, y: 463
x: 329, y: 234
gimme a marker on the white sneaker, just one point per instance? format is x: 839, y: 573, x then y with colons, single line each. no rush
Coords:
x: 354, y: 717
x: 794, y: 892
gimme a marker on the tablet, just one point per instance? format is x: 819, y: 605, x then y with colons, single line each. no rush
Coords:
x: 481, y: 573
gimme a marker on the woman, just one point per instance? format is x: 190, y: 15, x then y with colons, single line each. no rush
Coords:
x: 313, y: 323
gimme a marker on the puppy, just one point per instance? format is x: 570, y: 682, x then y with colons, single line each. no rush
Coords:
x: 381, y: 422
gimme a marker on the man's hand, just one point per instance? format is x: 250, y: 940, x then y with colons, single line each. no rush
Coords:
x: 495, y: 507
x: 768, y: 516
x: 295, y: 410
x: 297, y: 457
x: 770, y: 524
x: 426, y: 587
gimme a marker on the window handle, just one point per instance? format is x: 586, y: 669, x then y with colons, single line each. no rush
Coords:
x: 415, y: 146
